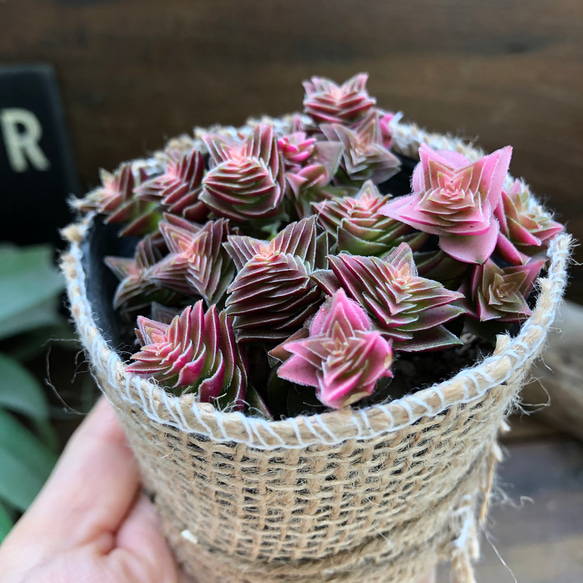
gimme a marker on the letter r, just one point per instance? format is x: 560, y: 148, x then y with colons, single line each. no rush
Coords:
x: 22, y: 133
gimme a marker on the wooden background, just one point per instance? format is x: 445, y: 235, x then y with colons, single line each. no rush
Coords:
x: 133, y: 72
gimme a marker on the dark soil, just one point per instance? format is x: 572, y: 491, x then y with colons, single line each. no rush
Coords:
x: 414, y: 371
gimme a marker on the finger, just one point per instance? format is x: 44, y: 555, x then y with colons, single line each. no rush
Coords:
x: 93, y: 486
x: 141, y: 547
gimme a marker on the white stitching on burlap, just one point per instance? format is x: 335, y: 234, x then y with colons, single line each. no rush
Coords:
x: 255, y: 427
x: 405, y: 404
x: 247, y: 425
x: 209, y: 432
x: 171, y: 407
x: 358, y: 426
x: 180, y: 412
x: 150, y: 413
x: 126, y: 386
x: 365, y: 420
x: 318, y: 419
x: 388, y: 414
x: 293, y: 422
x: 267, y: 426
x: 441, y: 398
x: 310, y: 425
x: 424, y: 404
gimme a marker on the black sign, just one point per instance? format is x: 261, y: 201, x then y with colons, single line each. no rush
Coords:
x: 37, y: 174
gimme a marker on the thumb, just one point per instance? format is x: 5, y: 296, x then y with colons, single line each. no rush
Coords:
x: 141, y: 547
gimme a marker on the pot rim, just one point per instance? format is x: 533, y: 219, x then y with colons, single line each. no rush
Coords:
x: 511, y: 357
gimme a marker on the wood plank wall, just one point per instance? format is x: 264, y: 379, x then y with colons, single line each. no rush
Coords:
x: 134, y: 72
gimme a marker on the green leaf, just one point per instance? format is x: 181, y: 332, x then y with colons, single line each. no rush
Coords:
x: 20, y: 391
x: 29, y: 288
x: 44, y: 314
x: 46, y: 433
x: 30, y: 344
x: 19, y: 485
x: 5, y: 522
x: 25, y: 463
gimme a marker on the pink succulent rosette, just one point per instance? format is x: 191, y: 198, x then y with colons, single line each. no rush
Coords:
x: 116, y: 200
x: 273, y: 293
x: 296, y: 149
x: 343, y: 356
x: 455, y: 199
x: 196, y: 352
x: 136, y: 275
x: 309, y: 180
x: 317, y: 169
x: 358, y: 226
x: 364, y: 156
x: 179, y: 187
x: 525, y: 228
x: 385, y: 120
x: 246, y: 179
x: 197, y: 265
x: 327, y: 102
x: 409, y: 309
x: 499, y: 293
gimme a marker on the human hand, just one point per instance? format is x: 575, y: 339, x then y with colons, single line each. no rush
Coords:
x: 90, y: 523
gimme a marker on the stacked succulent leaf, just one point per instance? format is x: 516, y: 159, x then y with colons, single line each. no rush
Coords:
x: 276, y: 264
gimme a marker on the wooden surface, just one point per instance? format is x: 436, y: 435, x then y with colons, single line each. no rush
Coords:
x: 134, y: 72
x: 538, y: 530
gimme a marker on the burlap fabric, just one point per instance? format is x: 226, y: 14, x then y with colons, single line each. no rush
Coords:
x: 377, y: 495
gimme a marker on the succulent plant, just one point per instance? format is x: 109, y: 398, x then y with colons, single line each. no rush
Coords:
x: 358, y: 227
x: 407, y: 308
x: 525, y: 228
x: 137, y: 284
x: 441, y: 267
x: 385, y: 119
x: 500, y: 293
x: 314, y: 265
x: 311, y: 182
x: 178, y: 189
x: 116, y: 199
x: 296, y: 149
x: 364, y: 156
x: 195, y: 353
x: 343, y: 357
x: 327, y: 102
x: 318, y: 169
x: 455, y: 199
x: 163, y: 314
x: 246, y: 178
x: 197, y: 265
x: 273, y: 293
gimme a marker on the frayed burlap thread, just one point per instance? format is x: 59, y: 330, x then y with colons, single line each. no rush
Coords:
x: 377, y: 494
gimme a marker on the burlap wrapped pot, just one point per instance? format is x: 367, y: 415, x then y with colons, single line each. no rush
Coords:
x: 375, y: 495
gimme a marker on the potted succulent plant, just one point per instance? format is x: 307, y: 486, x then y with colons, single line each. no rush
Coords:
x: 334, y: 313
